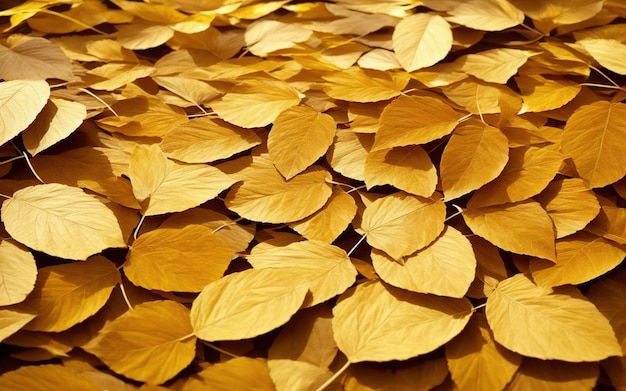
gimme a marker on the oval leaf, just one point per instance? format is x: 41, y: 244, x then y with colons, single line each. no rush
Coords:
x: 421, y: 40
x: 58, y: 119
x: 18, y: 273
x: 44, y: 378
x: 20, y: 102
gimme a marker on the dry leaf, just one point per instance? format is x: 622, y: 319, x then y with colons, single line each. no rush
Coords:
x: 487, y: 15
x: 421, y: 40
x: 554, y: 375
x: 18, y: 272
x: 422, y: 376
x: 44, y: 378
x: 358, y: 85
x: 20, y: 103
x: 33, y: 58
x: 241, y: 373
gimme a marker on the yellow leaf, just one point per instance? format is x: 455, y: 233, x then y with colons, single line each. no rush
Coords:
x: 377, y: 322
x: 33, y: 58
x: 475, y: 155
x: 13, y: 319
x: 292, y: 375
x: 205, y: 140
x: 400, y: 125
x: 266, y: 36
x: 364, y: 85
x: 256, y: 103
x: 410, y: 376
x: 299, y: 136
x: 475, y: 358
x: 444, y: 268
x: 62, y: 221
x: 494, y: 65
x: 44, y: 378
x: 547, y: 15
x: 486, y: 15
x: 528, y: 171
x: 580, y: 257
x: 248, y: 303
x: 265, y: 196
x: 608, y: 52
x: 380, y: 60
x: 241, y: 373
x: 479, y: 97
x: 407, y: 168
x: 610, y: 222
x: 111, y: 76
x: 58, y: 119
x: 490, y: 268
x: 164, y: 186
x: 347, y: 155
x: 522, y: 228
x: 193, y: 91
x: 554, y: 375
x: 151, y: 343
x: 421, y: 40
x: 542, y: 94
x: 180, y: 260
x: 18, y: 272
x: 325, y: 267
x: 549, y: 324
x: 20, y: 102
x: 67, y: 294
x: 142, y: 35
x: 593, y: 137
x: 400, y: 224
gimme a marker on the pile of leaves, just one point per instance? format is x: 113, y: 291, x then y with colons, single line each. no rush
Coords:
x: 291, y: 195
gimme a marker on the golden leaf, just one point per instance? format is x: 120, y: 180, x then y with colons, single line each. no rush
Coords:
x: 181, y: 260
x: 475, y: 155
x: 20, y: 102
x: 111, y: 76
x: 486, y: 15
x: 593, y: 137
x: 13, y: 319
x: 192, y: 91
x: 292, y: 375
x: 400, y: 125
x: 610, y: 222
x: 494, y: 65
x: 241, y: 373
x: 607, y: 52
x: 523, y: 228
x: 325, y: 267
x: 421, y: 40
x: 377, y: 322
x: 266, y: 36
x: 554, y: 375
x: 549, y: 324
x: 44, y: 378
x: 546, y: 16
x: 490, y: 268
x: 542, y: 94
x: 445, y: 268
x: 299, y: 136
x: 151, y: 343
x: 348, y: 153
x: 400, y: 224
x: 475, y: 358
x: 33, y: 58
x: 247, y: 304
x: 407, y: 168
x: 18, y: 272
x: 421, y: 376
x: 67, y: 294
x: 479, y: 97
x: 62, y: 221
x: 364, y: 85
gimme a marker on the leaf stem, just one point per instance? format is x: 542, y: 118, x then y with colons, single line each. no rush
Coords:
x: 5, y: 196
x: 216, y: 348
x: 480, y: 306
x: 136, y: 231
x: 334, y: 376
x: 605, y: 76
x: 460, y: 211
x: 12, y: 159
x: 356, y: 245
x: 601, y: 86
x: 125, y: 296
x: 465, y: 118
x: 32, y: 169
x: 78, y: 22
x: 96, y: 97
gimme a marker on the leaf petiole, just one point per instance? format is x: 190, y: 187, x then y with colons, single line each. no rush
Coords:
x: 334, y: 376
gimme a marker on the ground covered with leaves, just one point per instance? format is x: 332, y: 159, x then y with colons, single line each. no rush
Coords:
x: 298, y: 196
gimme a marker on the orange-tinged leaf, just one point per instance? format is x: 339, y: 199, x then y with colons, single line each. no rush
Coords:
x: 151, y: 343
x: 421, y: 40
x: 610, y: 222
x: 67, y: 294
x: 364, y: 85
x: 494, y: 65
x: 486, y: 15
x: 265, y: 36
x: 247, y: 304
x: 18, y: 272
x: 241, y: 373
x: 536, y: 374
x: 347, y: 155
x: 407, y: 168
x: 593, y: 138
x: 265, y: 196
x: 522, y: 228
x: 422, y: 376
x: 205, y: 140
x: 549, y: 324
x: 444, y: 268
x: 608, y: 52
x: 327, y: 268
x: 475, y: 358
x: 44, y: 378
x: 20, y: 102
x: 58, y: 119
x: 580, y: 257
x: 528, y: 171
x: 570, y: 204
x: 252, y: 104
x: 543, y: 94
x: 33, y: 58
x: 400, y: 224
x: 299, y: 136
x: 180, y: 260
x: 475, y: 155
x: 414, y: 120
x: 377, y: 322
x: 62, y: 221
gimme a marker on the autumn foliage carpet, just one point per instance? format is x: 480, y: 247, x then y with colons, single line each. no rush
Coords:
x: 298, y: 196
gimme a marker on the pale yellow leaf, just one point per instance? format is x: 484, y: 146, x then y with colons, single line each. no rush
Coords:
x: 196, y: 92
x: 13, y: 319
x: 142, y: 35
x: 151, y: 343
x: 475, y: 358
x: 364, y: 85
x: 410, y: 376
x: 608, y: 52
x: 62, y: 221
x: 494, y: 65
x: 444, y: 268
x: 522, y: 228
x: 45, y: 378
x: 552, y: 375
x: 20, y: 103
x: 377, y: 322
x: 486, y: 15
x: 547, y: 15
x: 292, y: 375
x: 33, y: 58
x: 58, y: 119
x: 67, y: 294
x: 400, y: 125
x: 408, y: 168
x: 256, y: 103
x: 475, y: 155
x: 400, y: 224
x: 549, y: 324
x: 593, y: 138
x: 246, y: 304
x: 111, y: 76
x: 266, y: 36
x: 18, y: 272
x: 421, y: 40
x: 299, y: 136
x: 380, y: 60
x: 543, y: 94
x: 347, y: 155
x: 238, y: 374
